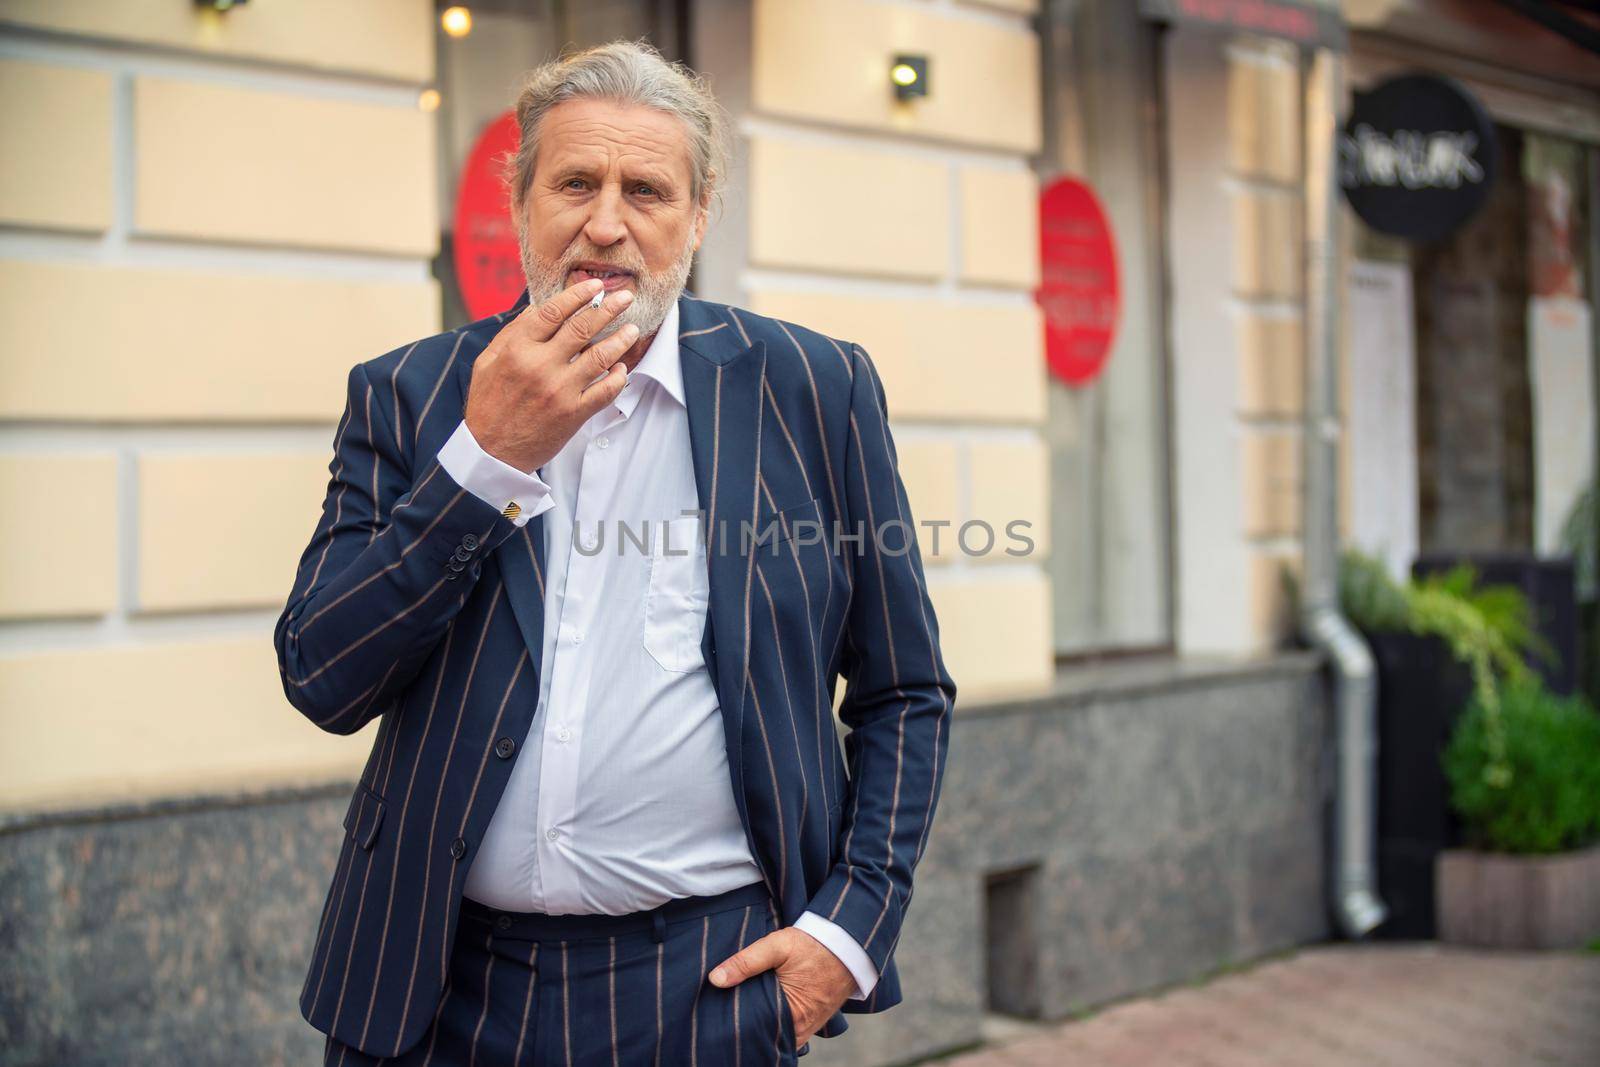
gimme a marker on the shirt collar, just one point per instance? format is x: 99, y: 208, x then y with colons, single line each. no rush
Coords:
x: 660, y: 363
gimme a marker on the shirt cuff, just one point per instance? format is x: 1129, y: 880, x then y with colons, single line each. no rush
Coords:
x: 842, y: 945
x: 492, y: 480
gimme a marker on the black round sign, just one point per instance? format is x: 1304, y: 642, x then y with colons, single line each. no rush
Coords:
x: 1417, y: 156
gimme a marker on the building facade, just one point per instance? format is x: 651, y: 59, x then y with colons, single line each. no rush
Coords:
x: 207, y: 216
x: 1470, y: 360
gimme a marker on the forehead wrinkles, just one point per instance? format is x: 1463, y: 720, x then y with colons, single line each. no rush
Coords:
x: 592, y: 141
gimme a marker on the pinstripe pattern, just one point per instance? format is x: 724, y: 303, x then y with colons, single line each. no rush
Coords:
x: 433, y: 1038
x: 694, y: 1017
x: 527, y: 1005
x: 611, y: 998
x: 591, y: 1005
x: 661, y: 957
x: 781, y: 1004
x: 744, y: 924
x: 566, y: 1009
x: 787, y: 426
x: 483, y: 1015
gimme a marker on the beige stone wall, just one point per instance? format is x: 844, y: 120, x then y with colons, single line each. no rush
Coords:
x: 1265, y: 140
x: 910, y: 229
x: 1234, y: 110
x: 204, y: 221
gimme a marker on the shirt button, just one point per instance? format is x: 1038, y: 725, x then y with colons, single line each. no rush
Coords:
x: 590, y: 542
x: 504, y: 747
x: 552, y: 833
x: 603, y: 442
x: 577, y: 637
x: 563, y: 734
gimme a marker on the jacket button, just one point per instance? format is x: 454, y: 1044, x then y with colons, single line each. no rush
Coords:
x: 451, y: 576
x: 504, y: 747
x: 469, y: 541
x: 456, y: 565
x: 462, y: 554
x: 458, y: 848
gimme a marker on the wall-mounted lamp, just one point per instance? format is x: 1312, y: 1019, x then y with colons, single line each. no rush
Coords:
x: 909, y: 73
x: 218, y: 5
x: 456, y: 21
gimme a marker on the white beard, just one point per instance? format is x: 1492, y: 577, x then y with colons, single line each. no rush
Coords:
x: 653, y: 294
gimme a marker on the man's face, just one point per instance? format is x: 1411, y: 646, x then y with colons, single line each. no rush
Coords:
x: 610, y: 196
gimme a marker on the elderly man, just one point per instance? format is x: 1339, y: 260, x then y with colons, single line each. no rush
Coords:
x: 596, y: 565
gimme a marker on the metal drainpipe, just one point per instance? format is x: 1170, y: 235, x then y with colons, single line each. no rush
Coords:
x: 1353, y: 868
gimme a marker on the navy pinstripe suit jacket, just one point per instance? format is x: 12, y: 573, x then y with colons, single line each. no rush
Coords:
x: 785, y: 425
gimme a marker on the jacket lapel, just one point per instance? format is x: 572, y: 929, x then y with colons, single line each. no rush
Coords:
x: 723, y: 376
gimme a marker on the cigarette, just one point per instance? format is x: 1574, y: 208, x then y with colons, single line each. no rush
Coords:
x: 598, y: 297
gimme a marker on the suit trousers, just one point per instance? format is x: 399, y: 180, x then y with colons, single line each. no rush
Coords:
x: 532, y: 990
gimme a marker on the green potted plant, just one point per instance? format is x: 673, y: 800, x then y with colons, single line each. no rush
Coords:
x: 1524, y: 776
x: 1436, y: 641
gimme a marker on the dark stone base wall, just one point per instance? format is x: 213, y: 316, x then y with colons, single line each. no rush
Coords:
x: 1173, y: 816
x: 1165, y: 820
x: 176, y: 937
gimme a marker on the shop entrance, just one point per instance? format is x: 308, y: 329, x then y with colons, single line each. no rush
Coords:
x: 1471, y: 388
x: 1504, y: 403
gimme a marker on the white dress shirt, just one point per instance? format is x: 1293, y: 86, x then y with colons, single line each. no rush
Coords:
x: 621, y: 798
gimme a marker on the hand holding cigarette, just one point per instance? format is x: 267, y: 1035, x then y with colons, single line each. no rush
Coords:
x: 540, y: 378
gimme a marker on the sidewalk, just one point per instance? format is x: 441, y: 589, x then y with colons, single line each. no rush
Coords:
x: 1399, y: 1004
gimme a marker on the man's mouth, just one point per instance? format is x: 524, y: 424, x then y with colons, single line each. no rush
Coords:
x: 614, y: 277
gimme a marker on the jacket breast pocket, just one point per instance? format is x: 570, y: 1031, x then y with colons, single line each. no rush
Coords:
x: 678, y: 594
x: 364, y: 817
x: 802, y: 521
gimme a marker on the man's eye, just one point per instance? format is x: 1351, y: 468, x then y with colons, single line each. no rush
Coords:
x: 648, y: 190
x: 574, y: 182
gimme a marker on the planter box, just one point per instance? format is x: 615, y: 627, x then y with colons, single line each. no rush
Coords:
x: 1421, y: 693
x: 1499, y: 900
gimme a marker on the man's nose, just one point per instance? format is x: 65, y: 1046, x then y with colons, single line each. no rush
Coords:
x: 605, y: 226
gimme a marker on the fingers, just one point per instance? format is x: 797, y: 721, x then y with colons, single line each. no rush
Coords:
x: 603, y: 390
x: 601, y: 367
x: 598, y: 358
x: 762, y: 954
x: 542, y: 322
x: 591, y: 365
x: 582, y: 327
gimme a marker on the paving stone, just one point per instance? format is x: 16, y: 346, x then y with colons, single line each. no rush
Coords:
x: 1382, y: 1005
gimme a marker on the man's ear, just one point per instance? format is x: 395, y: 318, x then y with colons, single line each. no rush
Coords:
x: 702, y: 214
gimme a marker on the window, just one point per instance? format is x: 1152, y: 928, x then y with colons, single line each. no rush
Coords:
x: 1110, y: 524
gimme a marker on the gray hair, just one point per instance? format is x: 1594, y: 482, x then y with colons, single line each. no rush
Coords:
x: 626, y: 73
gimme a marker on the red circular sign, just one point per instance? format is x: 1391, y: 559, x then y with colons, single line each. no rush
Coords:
x: 488, y: 263
x: 1078, y: 289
